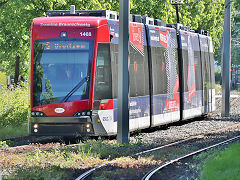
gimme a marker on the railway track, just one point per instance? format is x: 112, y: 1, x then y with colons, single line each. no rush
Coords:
x: 24, y: 141
x: 190, y: 143
x: 152, y: 172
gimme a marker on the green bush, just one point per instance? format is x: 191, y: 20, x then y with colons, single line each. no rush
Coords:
x: 14, y: 106
x: 3, y: 79
x: 3, y: 144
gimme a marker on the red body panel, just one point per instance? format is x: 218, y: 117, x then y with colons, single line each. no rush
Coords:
x: 105, y: 106
x: 50, y: 28
x: 136, y: 35
x: 70, y: 108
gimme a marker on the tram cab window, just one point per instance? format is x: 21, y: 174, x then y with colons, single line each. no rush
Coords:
x: 103, y: 77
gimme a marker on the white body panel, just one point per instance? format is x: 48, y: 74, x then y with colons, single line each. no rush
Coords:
x: 213, y: 100
x: 191, y: 113
x: 166, y: 118
x: 110, y: 126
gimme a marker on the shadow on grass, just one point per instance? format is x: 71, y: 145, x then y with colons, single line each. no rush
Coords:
x: 13, y: 131
x: 44, y: 173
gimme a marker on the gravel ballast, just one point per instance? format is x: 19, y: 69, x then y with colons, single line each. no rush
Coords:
x: 173, y: 132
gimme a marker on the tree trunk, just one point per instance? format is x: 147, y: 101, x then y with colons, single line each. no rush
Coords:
x: 16, y: 69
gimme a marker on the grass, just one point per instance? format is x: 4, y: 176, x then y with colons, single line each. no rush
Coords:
x: 109, y: 149
x: 223, y: 165
x: 48, y: 163
x: 53, y: 172
x: 11, y: 131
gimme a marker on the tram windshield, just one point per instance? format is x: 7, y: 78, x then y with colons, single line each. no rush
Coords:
x: 61, y: 70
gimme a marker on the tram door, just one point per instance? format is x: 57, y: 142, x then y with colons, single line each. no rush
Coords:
x: 212, y: 74
x: 205, y: 73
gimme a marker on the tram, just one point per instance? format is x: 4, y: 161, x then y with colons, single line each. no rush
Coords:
x: 74, y: 65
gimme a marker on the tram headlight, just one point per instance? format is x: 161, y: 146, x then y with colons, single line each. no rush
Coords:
x: 63, y: 34
x: 83, y: 113
x: 35, y: 126
x: 37, y: 114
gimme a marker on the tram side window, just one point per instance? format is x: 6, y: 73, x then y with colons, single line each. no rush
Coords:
x: 114, y: 62
x: 159, y: 70
x: 137, y: 80
x: 103, y: 76
x: 207, y: 68
x: 198, y: 70
x: 185, y: 69
x: 138, y: 72
x: 212, y: 70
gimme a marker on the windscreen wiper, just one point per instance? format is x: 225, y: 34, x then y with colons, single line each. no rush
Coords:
x: 75, y: 89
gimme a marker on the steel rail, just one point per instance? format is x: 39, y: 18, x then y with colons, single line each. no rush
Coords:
x: 153, y: 171
x: 87, y: 173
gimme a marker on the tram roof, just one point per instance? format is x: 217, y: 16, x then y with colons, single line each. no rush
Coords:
x: 75, y: 21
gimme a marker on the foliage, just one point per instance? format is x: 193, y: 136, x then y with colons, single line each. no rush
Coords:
x: 13, y: 36
x: 235, y: 44
x: 206, y: 15
x: 235, y: 35
x: 16, y: 17
x: 3, y: 144
x: 237, y: 11
x: 15, y: 20
x: 93, y: 4
x: 158, y: 9
x: 14, y: 106
x: 3, y: 79
x: 107, y: 149
x: 224, y: 165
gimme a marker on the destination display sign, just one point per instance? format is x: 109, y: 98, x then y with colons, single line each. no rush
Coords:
x: 66, y: 45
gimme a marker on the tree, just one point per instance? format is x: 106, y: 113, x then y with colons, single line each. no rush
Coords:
x: 235, y: 46
x: 197, y: 14
x: 16, y: 18
x: 235, y: 35
x: 237, y: 11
